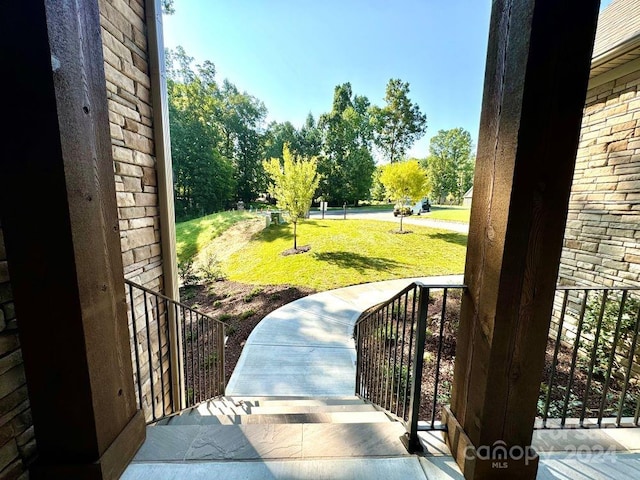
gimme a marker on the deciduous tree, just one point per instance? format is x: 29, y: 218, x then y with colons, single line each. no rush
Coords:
x: 293, y: 184
x: 399, y: 123
x: 451, y: 163
x: 404, y: 182
x: 346, y: 164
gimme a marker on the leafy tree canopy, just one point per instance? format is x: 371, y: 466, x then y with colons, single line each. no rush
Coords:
x: 399, y: 123
x: 404, y: 182
x: 293, y: 184
x: 450, y: 165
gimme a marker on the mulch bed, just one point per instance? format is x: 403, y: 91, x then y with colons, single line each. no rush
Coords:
x: 296, y: 251
x: 240, y: 307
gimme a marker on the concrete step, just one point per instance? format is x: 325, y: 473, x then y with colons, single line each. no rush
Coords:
x: 314, y: 409
x: 313, y: 402
x: 317, y: 469
x: 314, y: 417
x: 237, y: 406
x: 271, y: 441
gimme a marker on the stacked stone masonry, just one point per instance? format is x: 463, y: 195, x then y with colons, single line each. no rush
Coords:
x: 602, y: 237
x: 17, y: 441
x: 124, y: 39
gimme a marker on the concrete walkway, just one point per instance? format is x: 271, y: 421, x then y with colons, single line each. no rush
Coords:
x: 306, y: 348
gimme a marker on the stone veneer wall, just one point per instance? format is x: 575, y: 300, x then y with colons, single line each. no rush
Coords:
x: 602, y: 237
x: 17, y: 441
x: 124, y: 38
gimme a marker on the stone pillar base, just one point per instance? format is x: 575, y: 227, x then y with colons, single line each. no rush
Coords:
x: 494, y: 461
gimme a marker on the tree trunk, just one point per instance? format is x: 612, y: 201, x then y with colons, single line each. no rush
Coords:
x: 401, y: 216
x: 295, y: 244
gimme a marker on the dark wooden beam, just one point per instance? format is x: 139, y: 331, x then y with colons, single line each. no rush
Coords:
x: 59, y: 216
x: 535, y: 86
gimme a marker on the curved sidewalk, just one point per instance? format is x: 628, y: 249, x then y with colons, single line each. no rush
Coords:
x: 306, y: 348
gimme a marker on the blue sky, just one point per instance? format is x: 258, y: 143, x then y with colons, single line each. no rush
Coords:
x: 292, y: 53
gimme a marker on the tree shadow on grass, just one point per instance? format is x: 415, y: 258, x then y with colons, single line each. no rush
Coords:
x: 357, y: 262
x: 452, y: 237
x: 273, y: 233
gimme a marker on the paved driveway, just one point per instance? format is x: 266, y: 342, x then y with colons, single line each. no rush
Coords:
x: 422, y: 220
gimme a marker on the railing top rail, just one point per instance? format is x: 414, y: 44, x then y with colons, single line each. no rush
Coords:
x: 408, y: 288
x: 590, y: 288
x: 164, y: 297
x: 440, y: 285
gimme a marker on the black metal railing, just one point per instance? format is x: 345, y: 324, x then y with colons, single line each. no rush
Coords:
x: 168, y: 336
x: 592, y: 371
x: 400, y: 348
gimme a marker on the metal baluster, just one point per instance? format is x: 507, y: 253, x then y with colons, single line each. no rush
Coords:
x: 135, y: 345
x: 146, y: 318
x: 220, y: 330
x: 439, y: 357
x: 410, y: 367
x: 574, y: 358
x: 412, y: 441
x: 158, y: 323
x: 169, y: 354
x: 388, y: 384
x: 616, y: 337
x: 554, y: 363
x: 400, y: 371
x: 627, y: 377
x: 594, y: 351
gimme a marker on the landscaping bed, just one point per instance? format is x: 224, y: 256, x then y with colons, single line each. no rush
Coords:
x: 240, y: 307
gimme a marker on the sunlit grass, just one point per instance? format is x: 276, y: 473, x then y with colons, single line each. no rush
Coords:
x: 193, y: 235
x: 346, y: 252
x: 450, y: 213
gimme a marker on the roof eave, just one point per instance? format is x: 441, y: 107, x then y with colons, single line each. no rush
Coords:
x: 620, y: 49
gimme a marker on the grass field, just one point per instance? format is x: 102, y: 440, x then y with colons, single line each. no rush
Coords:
x: 344, y: 253
x: 193, y: 235
x: 449, y: 213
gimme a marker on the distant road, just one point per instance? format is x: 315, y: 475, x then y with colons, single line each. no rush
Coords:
x: 388, y: 217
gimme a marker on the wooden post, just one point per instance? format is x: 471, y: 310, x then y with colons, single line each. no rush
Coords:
x: 59, y: 216
x: 535, y: 86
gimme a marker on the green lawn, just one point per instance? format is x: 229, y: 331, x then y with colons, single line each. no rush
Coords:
x: 346, y: 252
x: 193, y: 235
x: 450, y: 213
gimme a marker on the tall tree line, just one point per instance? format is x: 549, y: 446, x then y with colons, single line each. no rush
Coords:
x: 219, y: 139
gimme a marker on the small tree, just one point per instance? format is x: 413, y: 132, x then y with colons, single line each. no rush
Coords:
x: 293, y: 185
x: 404, y: 182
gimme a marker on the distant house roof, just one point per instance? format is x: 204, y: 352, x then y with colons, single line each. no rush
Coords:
x: 469, y: 193
x: 617, y: 36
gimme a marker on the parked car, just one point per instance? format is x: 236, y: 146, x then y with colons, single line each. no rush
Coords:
x: 416, y: 209
x: 404, y: 210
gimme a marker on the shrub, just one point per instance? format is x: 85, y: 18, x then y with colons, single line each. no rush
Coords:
x: 187, y: 273
x: 209, y: 267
